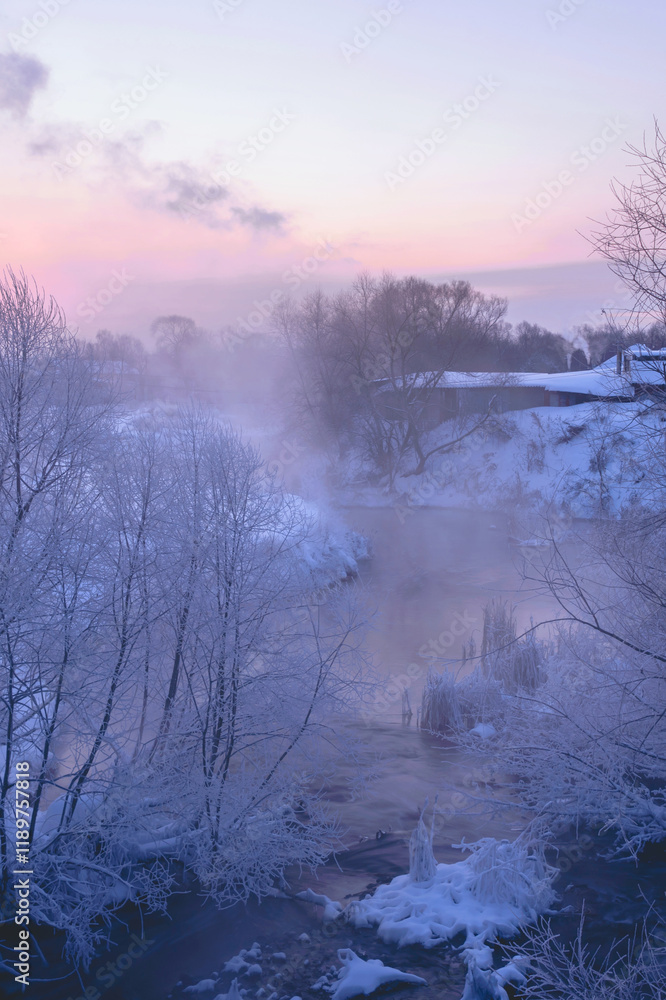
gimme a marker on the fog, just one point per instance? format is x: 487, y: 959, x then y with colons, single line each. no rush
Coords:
x: 559, y: 297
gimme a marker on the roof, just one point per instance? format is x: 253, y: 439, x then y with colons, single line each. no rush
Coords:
x: 641, y: 351
x: 599, y: 382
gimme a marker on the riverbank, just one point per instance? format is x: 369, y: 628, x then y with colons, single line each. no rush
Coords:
x: 573, y: 462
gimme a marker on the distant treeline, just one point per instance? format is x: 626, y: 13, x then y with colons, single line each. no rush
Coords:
x: 444, y: 326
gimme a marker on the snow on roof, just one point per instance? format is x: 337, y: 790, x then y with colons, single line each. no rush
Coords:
x: 642, y: 351
x: 599, y: 382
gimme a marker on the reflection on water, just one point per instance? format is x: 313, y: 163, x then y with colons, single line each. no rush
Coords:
x: 431, y: 574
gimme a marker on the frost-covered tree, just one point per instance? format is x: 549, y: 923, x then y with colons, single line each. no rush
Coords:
x: 586, y: 737
x: 164, y: 664
x: 254, y: 674
x: 633, y: 238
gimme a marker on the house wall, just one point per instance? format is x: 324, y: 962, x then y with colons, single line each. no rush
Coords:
x: 443, y: 404
x: 503, y: 398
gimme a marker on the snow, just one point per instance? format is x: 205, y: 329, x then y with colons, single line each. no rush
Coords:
x: 601, y: 381
x: 244, y: 961
x: 332, y: 909
x: 204, y: 986
x: 533, y: 460
x: 484, y: 730
x: 501, y: 887
x: 488, y: 983
x: 332, y: 551
x: 358, y: 977
x: 235, y: 993
x: 498, y: 889
x: 513, y: 972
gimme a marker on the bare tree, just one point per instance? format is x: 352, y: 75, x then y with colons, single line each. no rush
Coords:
x: 174, y: 334
x: 48, y: 427
x: 370, y: 364
x: 633, y: 238
x: 162, y: 665
x: 256, y: 678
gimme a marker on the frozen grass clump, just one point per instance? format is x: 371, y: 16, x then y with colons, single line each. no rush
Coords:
x: 507, y: 665
x: 441, y: 711
x: 514, y: 662
x: 511, y: 872
x: 480, y: 699
x: 422, y: 864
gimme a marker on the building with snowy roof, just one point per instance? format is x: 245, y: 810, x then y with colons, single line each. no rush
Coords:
x: 635, y: 372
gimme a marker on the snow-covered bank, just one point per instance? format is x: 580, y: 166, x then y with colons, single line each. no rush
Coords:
x: 499, y: 888
x: 329, y: 552
x: 579, y: 460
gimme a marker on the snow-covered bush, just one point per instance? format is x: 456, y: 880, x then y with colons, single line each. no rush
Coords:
x: 498, y: 889
x: 585, y: 732
x: 509, y: 665
x: 501, y: 888
x: 422, y: 864
x: 481, y: 700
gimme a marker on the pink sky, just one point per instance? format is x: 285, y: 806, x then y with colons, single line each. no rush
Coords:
x: 219, y: 144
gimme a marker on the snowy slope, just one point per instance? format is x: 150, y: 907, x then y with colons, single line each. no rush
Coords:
x: 579, y: 460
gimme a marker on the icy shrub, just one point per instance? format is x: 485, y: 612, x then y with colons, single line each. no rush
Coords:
x: 599, y: 459
x: 480, y: 700
x: 510, y: 872
x: 535, y: 456
x: 422, y: 862
x: 440, y: 704
x: 631, y: 969
x: 571, y: 431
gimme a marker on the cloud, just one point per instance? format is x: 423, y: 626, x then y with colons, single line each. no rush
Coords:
x: 259, y: 218
x: 118, y: 157
x: 177, y: 187
x: 20, y: 77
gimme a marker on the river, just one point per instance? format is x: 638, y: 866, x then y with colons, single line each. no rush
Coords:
x: 429, y: 577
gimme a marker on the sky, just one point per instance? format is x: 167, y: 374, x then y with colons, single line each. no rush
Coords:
x: 161, y: 156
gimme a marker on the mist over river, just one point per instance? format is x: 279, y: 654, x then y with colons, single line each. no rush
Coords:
x: 431, y: 573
